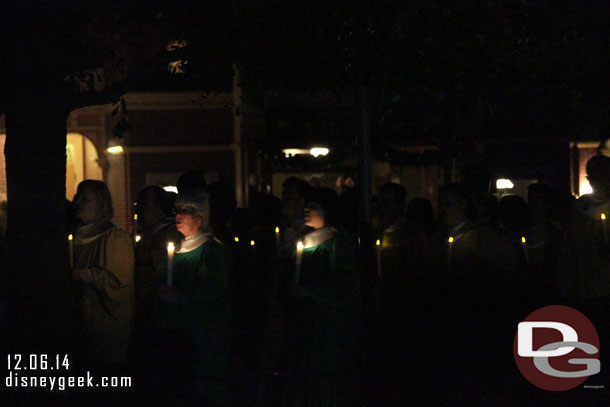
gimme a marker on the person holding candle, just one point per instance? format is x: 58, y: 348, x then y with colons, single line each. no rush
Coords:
x: 323, y: 313
x: 104, y: 269
x: 295, y: 194
x: 156, y: 227
x: 480, y: 290
x: 197, y: 305
x: 584, y: 257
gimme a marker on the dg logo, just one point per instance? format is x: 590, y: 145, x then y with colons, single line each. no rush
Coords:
x: 556, y: 348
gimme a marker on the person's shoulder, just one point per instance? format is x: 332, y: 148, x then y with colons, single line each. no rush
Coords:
x: 118, y: 234
x: 587, y: 202
x: 213, y: 245
x: 344, y: 239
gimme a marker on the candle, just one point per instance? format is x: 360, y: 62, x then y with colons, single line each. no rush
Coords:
x: 603, y: 216
x: 378, y: 244
x: 277, y: 240
x: 297, y: 273
x: 71, y: 246
x: 449, y: 248
x: 170, y: 264
x: 135, y: 226
x: 524, y: 244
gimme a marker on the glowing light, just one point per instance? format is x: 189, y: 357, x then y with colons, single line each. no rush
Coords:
x: 135, y: 217
x: 314, y: 151
x: 236, y: 239
x: 585, y: 188
x: 450, y: 240
x: 378, y: 242
x: 504, y: 183
x: 522, y: 239
x: 300, y: 245
x: 171, y: 188
x: 115, y: 150
x: 70, y: 237
x: 603, y: 217
x: 318, y: 151
x: 252, y: 243
x: 138, y: 238
x: 277, y: 229
x: 294, y: 151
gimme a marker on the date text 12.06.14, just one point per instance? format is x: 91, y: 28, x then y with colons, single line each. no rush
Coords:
x: 35, y: 361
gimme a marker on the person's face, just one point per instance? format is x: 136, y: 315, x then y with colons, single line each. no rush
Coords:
x: 292, y: 204
x: 88, y: 208
x: 452, y: 209
x: 149, y: 211
x: 389, y: 209
x: 188, y: 220
x: 314, y: 215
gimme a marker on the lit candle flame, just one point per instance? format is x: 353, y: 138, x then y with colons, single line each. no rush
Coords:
x: 603, y: 216
x: 300, y: 245
x: 378, y: 242
x: 236, y: 239
x: 450, y: 239
x: 135, y: 216
x: 277, y: 229
x: 70, y: 236
x: 522, y: 239
x: 252, y: 243
x: 171, y: 247
x: 138, y: 238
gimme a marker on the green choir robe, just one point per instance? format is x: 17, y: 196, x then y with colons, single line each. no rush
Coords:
x: 201, y: 277
x: 323, y: 323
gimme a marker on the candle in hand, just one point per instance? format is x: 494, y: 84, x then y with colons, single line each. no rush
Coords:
x: 449, y: 248
x: 170, y: 264
x: 297, y: 273
x: 71, y: 245
x: 277, y: 240
x: 378, y: 244
x: 524, y: 244
x: 135, y: 226
x: 603, y: 216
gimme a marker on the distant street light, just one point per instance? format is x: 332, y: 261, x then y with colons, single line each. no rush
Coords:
x: 114, y: 150
x: 315, y: 151
x: 504, y: 183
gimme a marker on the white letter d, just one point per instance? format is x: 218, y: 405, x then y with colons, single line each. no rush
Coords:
x: 525, y: 338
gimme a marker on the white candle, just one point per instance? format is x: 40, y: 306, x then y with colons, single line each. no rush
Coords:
x: 277, y: 240
x: 524, y: 245
x: 603, y: 216
x: 449, y: 249
x: 71, y: 246
x: 378, y: 244
x: 135, y: 226
x: 170, y: 264
x: 297, y: 272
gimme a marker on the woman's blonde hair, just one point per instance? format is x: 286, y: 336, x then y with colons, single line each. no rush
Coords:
x: 102, y: 195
